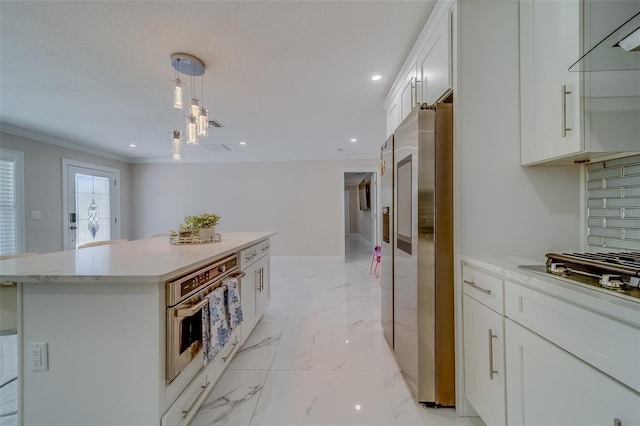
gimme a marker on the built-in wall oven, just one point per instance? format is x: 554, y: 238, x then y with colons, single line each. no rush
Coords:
x: 186, y: 298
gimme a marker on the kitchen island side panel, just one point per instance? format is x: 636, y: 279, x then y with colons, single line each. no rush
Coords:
x: 105, y: 353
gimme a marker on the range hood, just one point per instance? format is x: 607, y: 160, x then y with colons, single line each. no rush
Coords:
x: 619, y: 51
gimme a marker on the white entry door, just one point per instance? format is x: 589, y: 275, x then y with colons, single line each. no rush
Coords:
x: 91, y: 203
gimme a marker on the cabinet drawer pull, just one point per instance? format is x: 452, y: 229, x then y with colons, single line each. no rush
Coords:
x: 492, y: 371
x: 565, y: 92
x: 265, y: 248
x: 186, y: 412
x: 477, y: 287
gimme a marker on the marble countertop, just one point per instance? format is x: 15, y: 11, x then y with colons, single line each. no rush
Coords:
x: 605, y: 302
x: 149, y: 260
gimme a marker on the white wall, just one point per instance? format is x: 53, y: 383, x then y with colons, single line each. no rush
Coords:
x: 43, y: 190
x: 502, y: 207
x: 300, y: 200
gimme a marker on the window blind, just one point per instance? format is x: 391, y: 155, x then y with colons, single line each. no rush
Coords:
x: 613, y: 205
x: 8, y: 213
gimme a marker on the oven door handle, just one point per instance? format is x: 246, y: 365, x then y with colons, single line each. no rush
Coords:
x: 240, y: 274
x: 192, y: 309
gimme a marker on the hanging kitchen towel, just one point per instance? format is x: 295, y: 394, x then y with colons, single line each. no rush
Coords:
x: 220, y: 333
x: 233, y: 303
x: 206, y: 335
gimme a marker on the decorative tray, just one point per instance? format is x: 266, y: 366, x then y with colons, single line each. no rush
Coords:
x: 178, y: 240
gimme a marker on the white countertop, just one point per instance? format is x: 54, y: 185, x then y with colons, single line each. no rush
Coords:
x: 605, y: 302
x: 149, y: 260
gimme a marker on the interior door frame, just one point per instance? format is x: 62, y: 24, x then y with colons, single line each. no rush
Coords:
x: 66, y: 163
x: 376, y: 175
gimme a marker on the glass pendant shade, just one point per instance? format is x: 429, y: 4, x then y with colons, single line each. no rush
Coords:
x: 203, y: 123
x: 192, y: 133
x: 177, y: 94
x: 176, y: 146
x: 195, y: 108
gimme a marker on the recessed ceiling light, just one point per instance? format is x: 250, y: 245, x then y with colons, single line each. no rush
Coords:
x: 376, y: 77
x: 354, y: 140
x: 132, y: 145
x: 243, y: 143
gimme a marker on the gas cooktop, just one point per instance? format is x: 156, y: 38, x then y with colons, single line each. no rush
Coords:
x: 612, y: 273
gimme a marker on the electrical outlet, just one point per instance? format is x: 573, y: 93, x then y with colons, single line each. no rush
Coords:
x: 39, y: 357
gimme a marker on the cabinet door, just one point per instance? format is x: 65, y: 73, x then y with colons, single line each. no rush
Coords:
x: 407, y: 97
x: 551, y: 111
x: 434, y: 63
x: 248, y: 290
x: 394, y: 115
x: 547, y: 385
x: 484, y: 361
x: 263, y: 293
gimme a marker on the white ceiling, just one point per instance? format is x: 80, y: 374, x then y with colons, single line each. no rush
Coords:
x: 291, y: 78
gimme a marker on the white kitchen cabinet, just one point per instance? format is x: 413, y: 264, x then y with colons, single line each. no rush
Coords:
x: 573, y: 117
x: 255, y: 286
x: 427, y: 72
x: 550, y: 95
x: 434, y: 63
x: 394, y: 115
x: 248, y: 301
x: 484, y: 361
x: 547, y: 385
x: 483, y: 337
x: 263, y: 285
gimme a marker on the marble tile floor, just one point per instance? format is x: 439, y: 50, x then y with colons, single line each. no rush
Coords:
x: 8, y: 379
x: 318, y: 356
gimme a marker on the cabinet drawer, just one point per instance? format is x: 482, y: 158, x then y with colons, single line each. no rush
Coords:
x: 485, y: 288
x: 611, y: 346
x: 251, y: 254
x: 186, y: 406
x: 224, y: 357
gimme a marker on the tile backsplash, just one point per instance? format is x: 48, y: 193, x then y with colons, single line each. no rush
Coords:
x: 613, y: 205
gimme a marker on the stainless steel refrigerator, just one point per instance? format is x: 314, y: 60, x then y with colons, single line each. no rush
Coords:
x: 417, y: 318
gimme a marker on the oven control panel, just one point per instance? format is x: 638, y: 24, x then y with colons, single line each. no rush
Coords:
x: 178, y: 289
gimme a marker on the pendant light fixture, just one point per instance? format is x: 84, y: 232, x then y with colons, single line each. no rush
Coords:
x: 176, y: 146
x: 197, y: 118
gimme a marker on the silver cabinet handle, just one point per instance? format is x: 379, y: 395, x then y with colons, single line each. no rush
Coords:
x: 477, y: 287
x: 492, y: 371
x: 617, y: 422
x: 565, y: 92
x: 186, y: 412
x: 265, y: 248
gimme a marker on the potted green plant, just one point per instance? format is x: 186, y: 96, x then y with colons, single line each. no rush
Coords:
x: 203, y: 225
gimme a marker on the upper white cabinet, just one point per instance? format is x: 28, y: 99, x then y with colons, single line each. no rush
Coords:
x: 572, y: 117
x: 434, y: 63
x: 551, y: 124
x: 426, y: 74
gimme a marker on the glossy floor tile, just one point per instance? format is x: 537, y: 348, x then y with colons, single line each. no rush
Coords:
x: 318, y: 356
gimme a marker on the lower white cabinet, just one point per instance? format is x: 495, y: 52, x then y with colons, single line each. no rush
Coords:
x: 484, y: 360
x: 548, y: 386
x: 187, y: 404
x: 263, y: 285
x: 255, y: 286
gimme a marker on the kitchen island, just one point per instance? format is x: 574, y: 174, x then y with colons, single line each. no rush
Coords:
x: 102, y: 313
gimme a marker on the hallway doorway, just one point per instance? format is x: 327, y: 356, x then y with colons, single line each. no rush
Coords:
x: 359, y: 208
